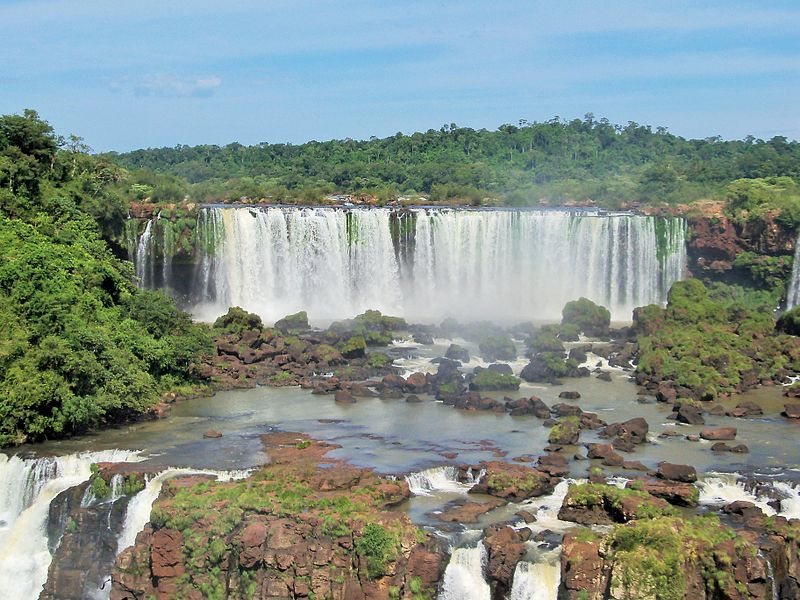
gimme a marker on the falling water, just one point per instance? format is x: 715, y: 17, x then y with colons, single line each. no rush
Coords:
x: 427, y: 264
x: 436, y: 479
x: 143, y: 260
x: 793, y: 290
x: 27, y: 487
x: 463, y: 578
x: 536, y: 581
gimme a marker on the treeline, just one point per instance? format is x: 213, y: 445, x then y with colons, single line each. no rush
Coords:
x: 79, y: 345
x: 530, y: 163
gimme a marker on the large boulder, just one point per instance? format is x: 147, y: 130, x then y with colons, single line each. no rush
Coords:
x: 590, y: 318
x: 673, y: 472
x: 456, y: 352
x: 719, y: 433
x: 296, y: 322
x: 513, y: 482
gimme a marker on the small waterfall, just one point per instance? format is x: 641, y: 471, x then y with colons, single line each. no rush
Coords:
x: 27, y: 487
x: 724, y: 488
x: 790, y: 504
x: 436, y: 479
x: 425, y: 265
x: 463, y: 577
x: 793, y: 289
x: 144, y: 256
x: 536, y: 581
x: 546, y: 508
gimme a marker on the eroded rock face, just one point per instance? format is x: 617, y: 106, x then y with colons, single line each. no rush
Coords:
x: 293, y: 530
x: 694, y: 558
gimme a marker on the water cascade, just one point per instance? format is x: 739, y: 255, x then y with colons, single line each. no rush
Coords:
x: 423, y: 264
x: 463, y: 577
x: 436, y: 479
x: 793, y: 290
x: 536, y: 581
x: 27, y: 487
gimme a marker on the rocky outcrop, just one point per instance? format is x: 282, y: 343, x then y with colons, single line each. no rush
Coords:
x: 293, y: 530
x: 514, y: 482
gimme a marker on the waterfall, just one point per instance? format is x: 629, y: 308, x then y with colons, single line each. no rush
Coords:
x: 793, y: 290
x: 724, y: 488
x: 463, y: 577
x: 536, y: 581
x: 144, y: 258
x: 424, y: 264
x: 27, y: 487
x: 436, y: 479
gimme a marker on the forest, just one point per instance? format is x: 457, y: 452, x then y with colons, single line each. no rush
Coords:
x: 80, y: 345
x: 553, y: 162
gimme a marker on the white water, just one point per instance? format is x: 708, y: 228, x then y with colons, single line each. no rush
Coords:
x: 138, y: 512
x: 465, y: 263
x: 463, y: 578
x: 436, y: 479
x: 546, y: 508
x: 144, y: 255
x: 793, y: 290
x: 27, y: 487
x: 724, y: 488
x: 536, y: 581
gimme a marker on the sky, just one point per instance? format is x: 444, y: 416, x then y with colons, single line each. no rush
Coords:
x: 152, y: 73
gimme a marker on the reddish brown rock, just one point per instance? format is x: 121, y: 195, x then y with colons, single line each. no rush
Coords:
x: 719, y: 433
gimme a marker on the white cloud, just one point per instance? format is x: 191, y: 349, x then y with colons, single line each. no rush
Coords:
x: 168, y: 85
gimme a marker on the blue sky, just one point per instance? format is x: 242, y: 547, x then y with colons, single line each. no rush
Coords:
x: 152, y: 73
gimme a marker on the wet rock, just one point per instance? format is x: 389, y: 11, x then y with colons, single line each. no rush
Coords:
x: 344, y: 397
x: 212, y: 433
x: 566, y: 410
x: 566, y: 432
x: 501, y: 368
x: 720, y: 447
x: 716, y: 410
x: 456, y: 352
x: 505, y: 547
x: 674, y: 492
x: 635, y: 429
x: 747, y: 409
x: 690, y: 415
x: 413, y: 398
x: 569, y: 395
x: 791, y: 411
x: 604, y: 376
x: 526, y: 516
x: 666, y: 393
x: 528, y: 406
x: 469, y: 511
x: 416, y: 383
x: 674, y: 472
x: 719, y: 433
x: 740, y: 449
x: 606, y: 453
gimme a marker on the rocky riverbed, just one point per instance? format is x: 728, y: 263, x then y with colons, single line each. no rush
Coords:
x: 464, y: 470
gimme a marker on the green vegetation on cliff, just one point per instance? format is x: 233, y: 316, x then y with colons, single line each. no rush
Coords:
x: 710, y: 347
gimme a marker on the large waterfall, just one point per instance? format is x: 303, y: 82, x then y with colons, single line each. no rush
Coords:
x: 423, y: 264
